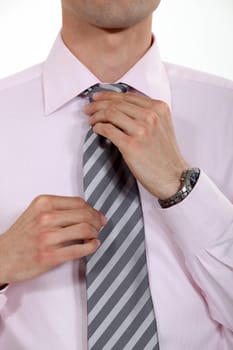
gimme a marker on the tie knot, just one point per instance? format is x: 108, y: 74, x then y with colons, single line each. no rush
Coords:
x: 118, y: 87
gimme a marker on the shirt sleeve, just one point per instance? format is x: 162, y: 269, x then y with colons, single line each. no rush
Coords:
x: 202, y: 226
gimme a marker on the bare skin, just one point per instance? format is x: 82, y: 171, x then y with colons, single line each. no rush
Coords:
x: 119, y: 34
x: 142, y: 130
x: 39, y: 239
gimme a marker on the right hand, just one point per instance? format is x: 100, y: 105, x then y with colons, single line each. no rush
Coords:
x: 39, y: 240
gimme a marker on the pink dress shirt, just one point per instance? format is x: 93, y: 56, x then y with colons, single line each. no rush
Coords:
x: 189, y: 246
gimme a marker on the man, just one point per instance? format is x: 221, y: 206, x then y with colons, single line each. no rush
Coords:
x: 188, y: 235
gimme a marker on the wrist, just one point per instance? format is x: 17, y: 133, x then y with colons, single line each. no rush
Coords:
x: 188, y: 180
x: 168, y: 190
x: 172, y: 183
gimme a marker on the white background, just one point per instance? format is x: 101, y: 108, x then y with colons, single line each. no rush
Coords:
x: 194, y: 33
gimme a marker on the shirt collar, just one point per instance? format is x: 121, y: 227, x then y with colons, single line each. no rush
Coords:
x: 65, y: 77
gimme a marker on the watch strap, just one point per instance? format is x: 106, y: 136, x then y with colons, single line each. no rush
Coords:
x: 188, y: 180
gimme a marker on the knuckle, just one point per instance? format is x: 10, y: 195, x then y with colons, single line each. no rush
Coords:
x: 87, y: 230
x: 162, y: 107
x: 87, y: 216
x: 97, y: 127
x: 89, y: 248
x: 44, y: 219
x: 165, y: 108
x: 141, y: 131
x: 167, y: 115
x: 81, y: 202
x: 131, y: 143
x: 150, y: 117
x: 104, y: 128
x: 110, y: 112
x: 41, y: 202
x: 75, y: 252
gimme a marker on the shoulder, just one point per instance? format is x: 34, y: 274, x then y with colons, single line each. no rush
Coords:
x: 21, y: 79
x: 197, y: 80
x: 21, y: 94
x: 202, y: 92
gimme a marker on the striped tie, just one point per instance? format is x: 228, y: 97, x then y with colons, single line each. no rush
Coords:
x: 119, y: 304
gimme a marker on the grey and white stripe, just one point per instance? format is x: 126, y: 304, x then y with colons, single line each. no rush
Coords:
x: 119, y: 304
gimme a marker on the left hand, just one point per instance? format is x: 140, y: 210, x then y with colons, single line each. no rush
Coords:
x: 141, y: 128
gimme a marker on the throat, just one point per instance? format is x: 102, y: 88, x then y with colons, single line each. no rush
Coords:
x: 108, y: 54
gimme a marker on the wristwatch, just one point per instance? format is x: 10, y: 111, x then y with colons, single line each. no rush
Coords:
x: 188, y: 180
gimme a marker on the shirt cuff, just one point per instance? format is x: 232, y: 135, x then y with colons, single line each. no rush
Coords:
x: 3, y: 287
x: 201, y: 218
x: 3, y: 298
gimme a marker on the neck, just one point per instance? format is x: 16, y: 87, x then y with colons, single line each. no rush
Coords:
x: 108, y: 54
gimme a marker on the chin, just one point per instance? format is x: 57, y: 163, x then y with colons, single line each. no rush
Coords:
x: 117, y: 23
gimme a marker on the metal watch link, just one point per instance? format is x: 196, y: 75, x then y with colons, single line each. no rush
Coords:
x: 188, y: 180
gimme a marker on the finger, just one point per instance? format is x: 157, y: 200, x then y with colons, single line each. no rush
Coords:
x: 134, y: 98
x: 140, y: 114
x: 70, y: 234
x: 136, y: 112
x: 51, y: 202
x: 138, y: 100
x: 76, y: 251
x: 118, y: 137
x: 108, y: 95
x: 94, y: 107
x: 65, y: 218
x: 115, y: 102
x: 116, y: 118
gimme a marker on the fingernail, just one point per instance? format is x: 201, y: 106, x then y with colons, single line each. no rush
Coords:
x: 98, y: 243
